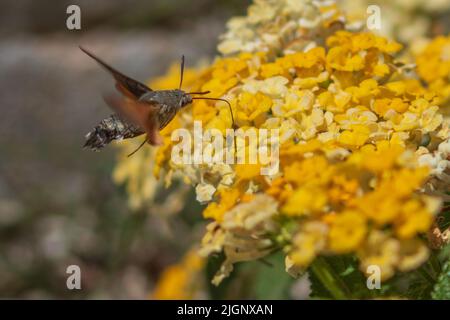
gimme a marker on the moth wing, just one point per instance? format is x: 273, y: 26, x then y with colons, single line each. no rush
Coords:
x: 142, y: 114
x: 129, y: 87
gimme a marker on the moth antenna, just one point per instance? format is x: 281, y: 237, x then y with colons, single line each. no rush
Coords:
x: 182, y: 70
x: 231, y: 113
x: 201, y: 92
x: 140, y: 146
x: 219, y: 99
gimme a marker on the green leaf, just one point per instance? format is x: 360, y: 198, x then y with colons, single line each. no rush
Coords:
x: 444, y: 254
x: 318, y: 290
x: 271, y: 280
x: 260, y: 279
x: 441, y: 289
x: 418, y: 287
x: 344, y: 270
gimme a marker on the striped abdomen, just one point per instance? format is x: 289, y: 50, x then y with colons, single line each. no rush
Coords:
x: 109, y: 129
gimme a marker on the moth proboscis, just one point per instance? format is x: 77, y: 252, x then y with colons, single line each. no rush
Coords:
x: 141, y: 110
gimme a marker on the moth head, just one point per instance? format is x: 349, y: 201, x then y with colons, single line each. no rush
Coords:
x: 186, y: 99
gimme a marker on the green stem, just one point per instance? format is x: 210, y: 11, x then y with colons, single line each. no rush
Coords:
x: 330, y: 280
x: 435, y: 264
x: 422, y: 272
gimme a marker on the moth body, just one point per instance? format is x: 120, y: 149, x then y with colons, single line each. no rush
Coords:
x: 110, y: 129
x: 169, y: 103
x: 141, y: 111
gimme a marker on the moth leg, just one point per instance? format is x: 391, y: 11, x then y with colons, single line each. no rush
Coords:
x: 140, y: 146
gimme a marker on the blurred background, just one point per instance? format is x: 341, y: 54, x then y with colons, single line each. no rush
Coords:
x: 58, y: 203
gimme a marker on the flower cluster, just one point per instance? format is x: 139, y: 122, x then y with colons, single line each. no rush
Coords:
x: 405, y: 20
x: 433, y: 66
x: 364, y: 147
x: 286, y: 25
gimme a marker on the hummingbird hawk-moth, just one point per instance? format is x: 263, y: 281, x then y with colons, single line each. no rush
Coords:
x: 141, y: 111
